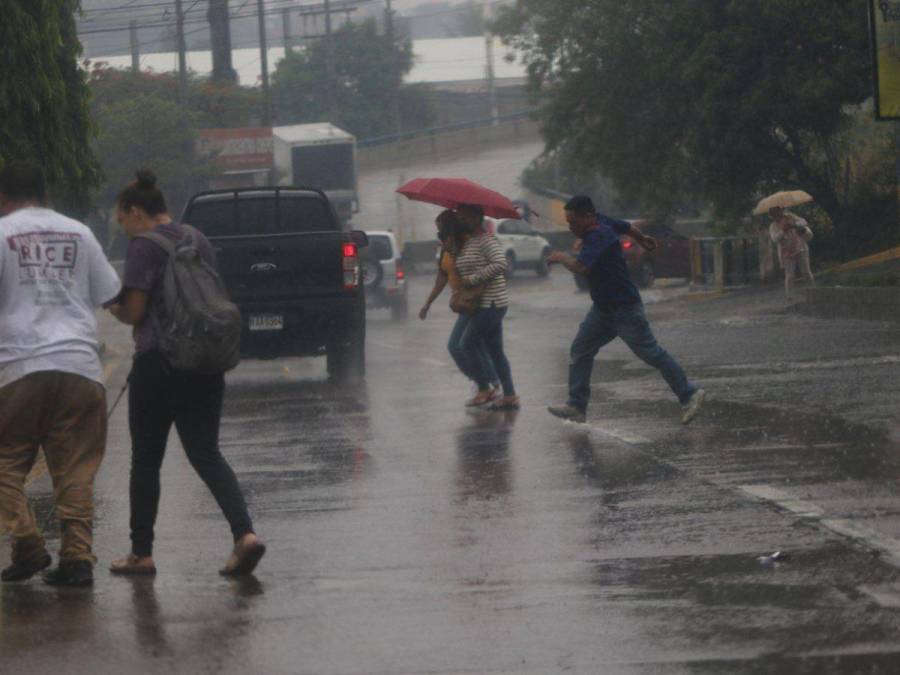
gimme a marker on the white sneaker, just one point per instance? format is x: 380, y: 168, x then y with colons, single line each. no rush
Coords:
x: 693, y: 406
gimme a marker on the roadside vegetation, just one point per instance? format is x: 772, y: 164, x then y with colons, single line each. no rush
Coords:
x: 702, y: 108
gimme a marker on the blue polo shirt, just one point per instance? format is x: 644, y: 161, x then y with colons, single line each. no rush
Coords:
x: 602, y: 253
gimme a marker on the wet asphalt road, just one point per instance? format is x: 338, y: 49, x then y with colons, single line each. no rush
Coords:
x: 410, y: 536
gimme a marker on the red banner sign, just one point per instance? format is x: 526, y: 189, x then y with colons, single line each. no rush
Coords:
x: 242, y: 149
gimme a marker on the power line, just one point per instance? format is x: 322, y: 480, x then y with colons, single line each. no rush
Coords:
x: 351, y: 5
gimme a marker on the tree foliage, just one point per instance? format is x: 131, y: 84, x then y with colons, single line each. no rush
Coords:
x: 44, y: 98
x: 216, y: 105
x: 146, y: 130
x: 714, y: 100
x: 352, y: 83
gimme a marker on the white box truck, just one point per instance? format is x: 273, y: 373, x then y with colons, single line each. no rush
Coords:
x: 318, y: 155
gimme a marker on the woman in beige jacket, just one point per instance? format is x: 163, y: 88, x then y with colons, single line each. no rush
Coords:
x: 791, y: 233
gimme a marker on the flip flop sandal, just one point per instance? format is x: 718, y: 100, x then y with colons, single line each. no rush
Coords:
x: 506, y: 404
x: 247, y: 561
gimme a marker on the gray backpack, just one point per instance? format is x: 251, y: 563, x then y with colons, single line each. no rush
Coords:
x: 198, y: 328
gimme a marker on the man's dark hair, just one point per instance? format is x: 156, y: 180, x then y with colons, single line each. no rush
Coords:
x: 581, y: 205
x: 473, y: 209
x: 22, y: 180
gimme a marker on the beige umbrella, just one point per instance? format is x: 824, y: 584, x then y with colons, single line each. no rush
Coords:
x: 782, y: 199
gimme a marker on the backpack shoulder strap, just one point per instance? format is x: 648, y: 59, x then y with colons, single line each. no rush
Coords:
x: 160, y: 240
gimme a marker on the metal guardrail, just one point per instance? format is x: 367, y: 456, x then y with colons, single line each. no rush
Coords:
x: 727, y: 261
x: 459, y: 126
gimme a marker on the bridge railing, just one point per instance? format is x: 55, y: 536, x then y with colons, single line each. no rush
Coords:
x: 430, y: 131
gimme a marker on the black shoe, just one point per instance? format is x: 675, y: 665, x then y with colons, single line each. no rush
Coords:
x: 20, y: 571
x: 71, y: 573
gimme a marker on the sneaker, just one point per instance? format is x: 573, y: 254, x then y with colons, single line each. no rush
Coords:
x: 25, y: 569
x: 693, y: 406
x: 567, y: 412
x: 77, y: 573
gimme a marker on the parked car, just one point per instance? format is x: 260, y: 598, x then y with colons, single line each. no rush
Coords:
x: 293, y: 271
x: 672, y: 257
x: 384, y: 276
x: 524, y: 247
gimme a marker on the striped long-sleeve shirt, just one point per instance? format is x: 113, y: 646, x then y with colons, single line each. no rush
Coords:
x: 482, y: 262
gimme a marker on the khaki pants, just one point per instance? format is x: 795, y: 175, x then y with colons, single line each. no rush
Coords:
x: 66, y: 414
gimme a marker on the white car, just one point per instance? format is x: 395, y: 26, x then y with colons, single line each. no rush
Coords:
x: 524, y: 247
x: 383, y: 275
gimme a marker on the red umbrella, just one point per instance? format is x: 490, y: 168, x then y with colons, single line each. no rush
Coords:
x: 451, y: 192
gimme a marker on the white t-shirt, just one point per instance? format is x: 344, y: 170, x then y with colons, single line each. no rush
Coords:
x: 53, y: 274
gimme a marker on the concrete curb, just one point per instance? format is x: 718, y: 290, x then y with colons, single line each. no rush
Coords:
x: 841, y: 302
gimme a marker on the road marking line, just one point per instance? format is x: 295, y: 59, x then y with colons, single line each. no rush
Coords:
x: 785, y: 500
x: 842, y: 526
x: 869, y: 537
x: 624, y: 436
x: 872, y: 538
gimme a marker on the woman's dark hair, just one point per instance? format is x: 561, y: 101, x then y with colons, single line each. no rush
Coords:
x: 473, y: 210
x: 143, y: 194
x: 449, y: 226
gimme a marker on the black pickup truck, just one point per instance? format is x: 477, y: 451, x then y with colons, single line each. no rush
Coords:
x: 291, y: 269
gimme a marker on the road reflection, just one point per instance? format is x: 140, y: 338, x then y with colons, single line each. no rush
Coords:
x: 483, y: 467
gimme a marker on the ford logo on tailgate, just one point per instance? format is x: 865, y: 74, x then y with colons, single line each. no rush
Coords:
x: 263, y: 267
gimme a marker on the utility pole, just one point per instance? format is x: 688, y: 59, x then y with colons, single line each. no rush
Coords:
x: 395, y: 70
x: 135, y: 46
x: 182, y: 56
x: 264, y: 61
x: 489, y: 67
x: 286, y: 28
x: 329, y: 62
x: 220, y: 41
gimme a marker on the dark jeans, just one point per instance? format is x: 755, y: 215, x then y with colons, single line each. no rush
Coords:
x: 603, y: 325
x: 485, y: 331
x: 158, y: 398
x: 454, y: 346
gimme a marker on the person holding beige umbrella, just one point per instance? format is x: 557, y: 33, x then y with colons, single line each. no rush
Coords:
x: 791, y: 234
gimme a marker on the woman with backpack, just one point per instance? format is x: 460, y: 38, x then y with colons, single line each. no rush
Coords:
x: 161, y: 395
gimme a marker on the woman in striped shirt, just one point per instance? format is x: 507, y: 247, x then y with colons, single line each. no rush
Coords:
x: 481, y: 262
x: 451, y: 242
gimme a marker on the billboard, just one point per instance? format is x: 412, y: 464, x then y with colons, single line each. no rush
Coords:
x: 885, y: 26
x: 246, y: 149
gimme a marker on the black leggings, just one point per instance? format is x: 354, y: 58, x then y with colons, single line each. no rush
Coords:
x: 158, y: 398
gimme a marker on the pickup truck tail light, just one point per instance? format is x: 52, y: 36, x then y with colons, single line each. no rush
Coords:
x: 350, y: 266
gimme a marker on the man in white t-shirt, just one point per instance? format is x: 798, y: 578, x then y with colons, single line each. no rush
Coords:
x: 53, y: 274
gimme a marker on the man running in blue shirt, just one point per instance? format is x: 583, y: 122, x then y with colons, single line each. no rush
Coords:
x: 617, y: 310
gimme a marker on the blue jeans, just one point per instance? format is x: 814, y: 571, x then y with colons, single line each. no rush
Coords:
x: 454, y: 346
x: 485, y: 331
x: 600, y: 327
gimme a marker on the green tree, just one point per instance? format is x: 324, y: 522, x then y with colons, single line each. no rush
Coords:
x: 217, y: 105
x: 719, y: 101
x: 154, y: 132
x: 44, y: 98
x: 368, y: 73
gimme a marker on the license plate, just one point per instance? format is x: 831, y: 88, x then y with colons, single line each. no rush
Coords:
x: 266, y: 321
